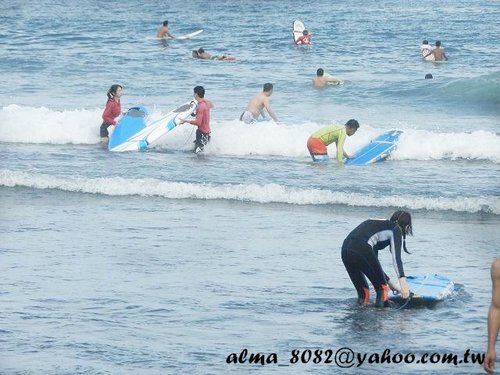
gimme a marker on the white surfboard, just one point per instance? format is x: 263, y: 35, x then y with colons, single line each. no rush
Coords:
x: 154, y: 132
x: 298, y: 28
x: 190, y: 35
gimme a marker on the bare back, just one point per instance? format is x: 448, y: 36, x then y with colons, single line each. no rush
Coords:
x: 257, y: 104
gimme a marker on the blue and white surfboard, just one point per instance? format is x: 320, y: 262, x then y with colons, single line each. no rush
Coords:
x: 378, y: 149
x: 429, y: 288
x: 136, y: 138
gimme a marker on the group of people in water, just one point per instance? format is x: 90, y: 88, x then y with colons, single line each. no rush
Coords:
x: 359, y: 251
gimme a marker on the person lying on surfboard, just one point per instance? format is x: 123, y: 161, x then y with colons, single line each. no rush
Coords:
x: 202, y: 54
x: 322, y: 79
x: 360, y: 256
x: 305, y: 38
x: 319, y: 140
x: 163, y: 31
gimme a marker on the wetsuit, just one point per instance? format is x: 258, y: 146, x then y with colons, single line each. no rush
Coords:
x: 111, y: 112
x: 318, y: 141
x: 360, y: 257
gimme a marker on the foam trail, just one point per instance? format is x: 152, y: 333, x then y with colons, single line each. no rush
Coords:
x: 267, y: 193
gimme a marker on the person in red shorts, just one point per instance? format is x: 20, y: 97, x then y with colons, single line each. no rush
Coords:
x: 319, y: 140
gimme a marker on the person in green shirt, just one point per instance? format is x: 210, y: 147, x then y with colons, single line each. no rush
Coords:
x: 319, y: 140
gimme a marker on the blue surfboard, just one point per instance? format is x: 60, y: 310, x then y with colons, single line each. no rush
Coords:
x: 378, y: 149
x: 429, y: 288
x: 132, y: 122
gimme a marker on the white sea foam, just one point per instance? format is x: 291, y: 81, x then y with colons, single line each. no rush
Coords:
x: 231, y: 137
x: 266, y: 193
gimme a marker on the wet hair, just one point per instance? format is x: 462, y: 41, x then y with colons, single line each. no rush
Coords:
x: 195, y: 54
x: 425, y: 41
x: 305, y: 32
x: 201, y: 50
x: 352, y: 124
x: 267, y: 87
x: 112, y: 90
x: 403, y: 219
x: 165, y: 23
x: 200, y: 91
x: 428, y: 76
x: 438, y: 43
x: 320, y: 72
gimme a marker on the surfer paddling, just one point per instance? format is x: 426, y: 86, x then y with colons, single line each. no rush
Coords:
x: 257, y: 104
x: 360, y: 256
x: 319, y: 140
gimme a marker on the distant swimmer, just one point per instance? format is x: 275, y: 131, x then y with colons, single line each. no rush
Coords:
x: 257, y: 104
x: 323, y: 79
x: 202, y: 54
x: 429, y: 76
x: 202, y: 119
x: 437, y: 52
x: 305, y: 38
x: 112, y: 111
x: 425, y: 49
x: 164, y: 32
x: 360, y: 256
x: 319, y: 140
x: 493, y: 318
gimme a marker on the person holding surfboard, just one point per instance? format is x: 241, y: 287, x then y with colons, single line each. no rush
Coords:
x: 164, y: 31
x: 112, y: 111
x: 304, y: 39
x: 257, y: 104
x: 322, y: 79
x: 493, y: 318
x: 360, y: 256
x: 425, y: 50
x: 202, y: 119
x: 437, y: 52
x: 319, y: 140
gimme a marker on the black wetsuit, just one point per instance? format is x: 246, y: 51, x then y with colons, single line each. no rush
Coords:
x: 360, y: 257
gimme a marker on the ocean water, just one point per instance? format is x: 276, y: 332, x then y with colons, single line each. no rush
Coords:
x: 166, y: 262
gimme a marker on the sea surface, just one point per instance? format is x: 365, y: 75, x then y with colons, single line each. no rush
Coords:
x: 167, y: 262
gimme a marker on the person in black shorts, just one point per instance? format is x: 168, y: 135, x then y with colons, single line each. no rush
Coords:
x: 360, y: 256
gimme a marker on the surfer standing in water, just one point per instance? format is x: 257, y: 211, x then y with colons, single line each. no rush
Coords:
x: 257, y: 104
x: 360, y: 256
x: 319, y: 140
x: 202, y: 119
x: 112, y: 111
x: 437, y: 52
x: 493, y: 318
x: 163, y: 31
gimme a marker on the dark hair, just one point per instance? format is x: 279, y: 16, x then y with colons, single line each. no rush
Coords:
x: 305, y: 32
x: 165, y: 23
x: 403, y: 219
x: 200, y: 91
x: 268, y: 87
x: 438, y: 43
x: 352, y: 124
x: 201, y: 50
x: 320, y: 72
x: 428, y: 76
x: 112, y: 90
x: 425, y: 41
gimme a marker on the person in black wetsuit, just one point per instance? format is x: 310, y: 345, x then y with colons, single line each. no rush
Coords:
x: 360, y: 256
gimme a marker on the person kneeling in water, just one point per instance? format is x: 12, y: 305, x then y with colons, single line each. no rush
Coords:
x: 360, y: 256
